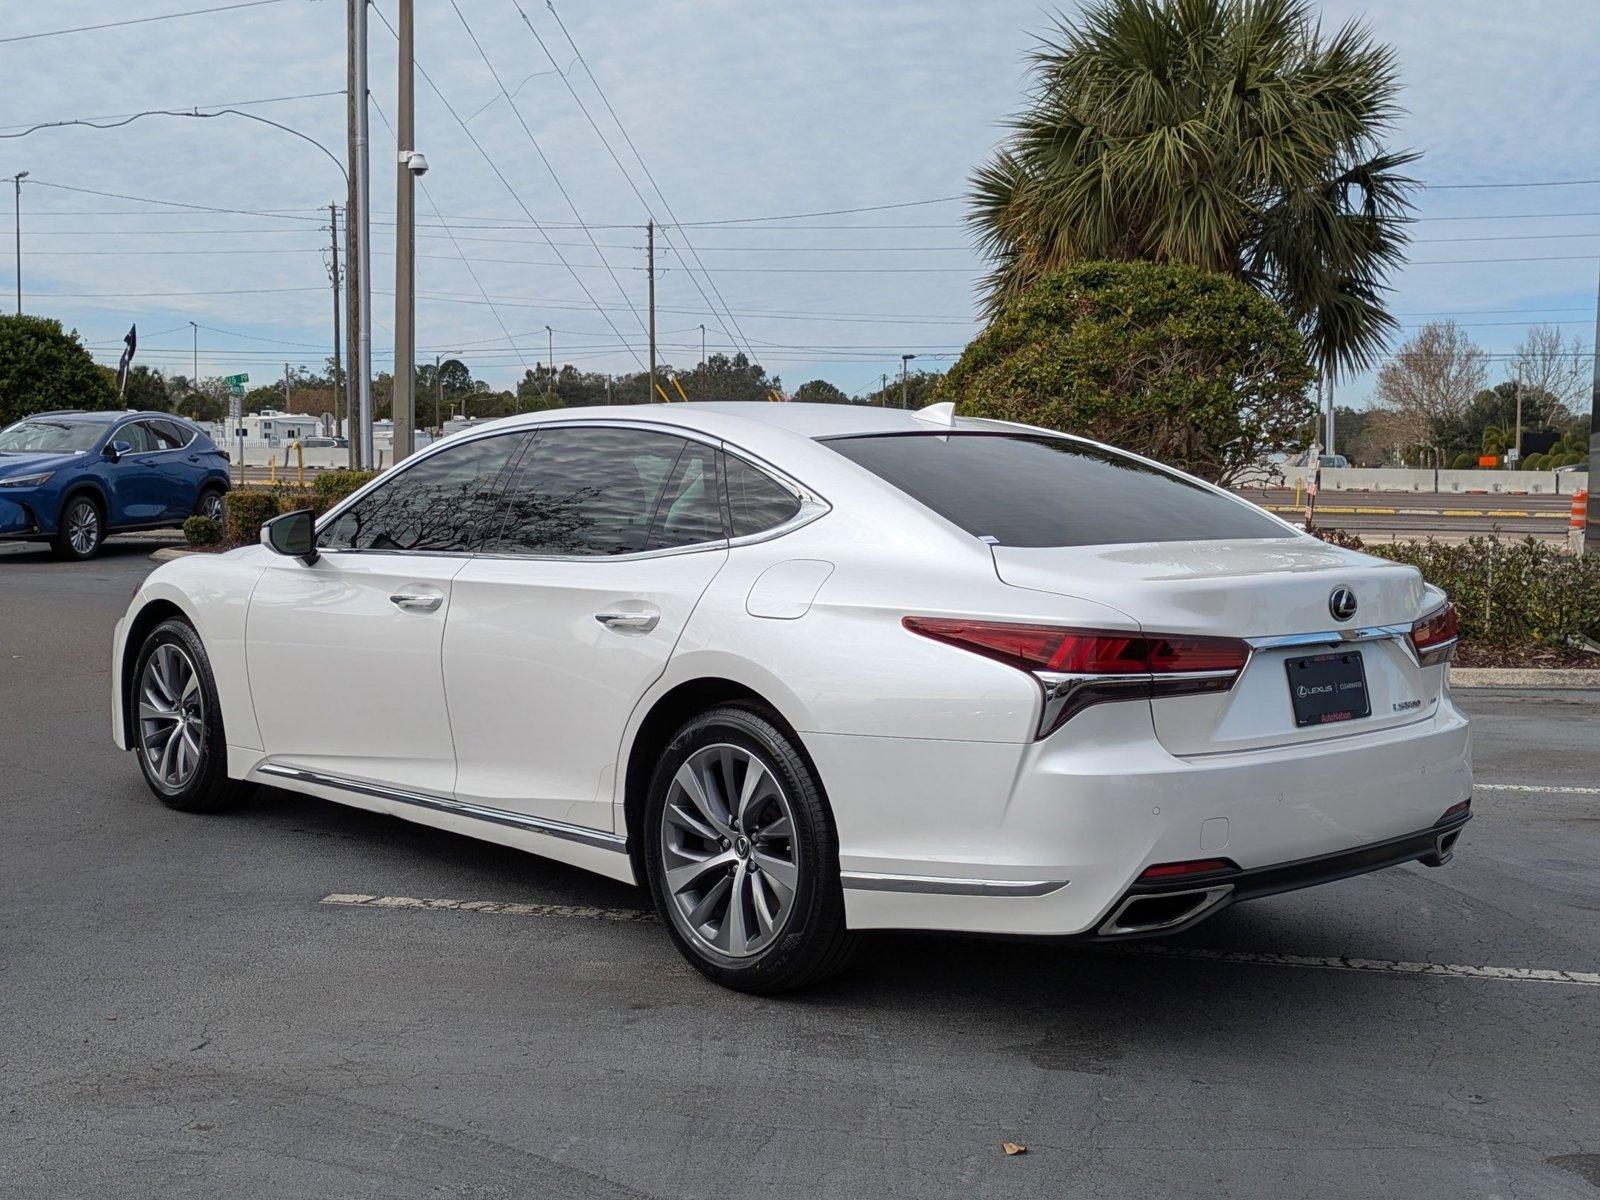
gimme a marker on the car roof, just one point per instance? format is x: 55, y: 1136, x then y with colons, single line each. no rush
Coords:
x: 725, y: 416
x: 106, y: 416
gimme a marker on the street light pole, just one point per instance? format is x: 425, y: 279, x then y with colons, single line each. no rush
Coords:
x: 405, y: 245
x: 194, y: 380
x: 550, y: 380
x: 702, y: 362
x: 363, y: 192
x: 16, y: 182
x: 438, y: 396
x: 904, y: 359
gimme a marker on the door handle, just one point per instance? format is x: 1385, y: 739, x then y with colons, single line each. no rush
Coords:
x: 642, y: 622
x: 425, y: 602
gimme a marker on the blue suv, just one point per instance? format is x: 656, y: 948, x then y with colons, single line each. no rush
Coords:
x: 71, y: 478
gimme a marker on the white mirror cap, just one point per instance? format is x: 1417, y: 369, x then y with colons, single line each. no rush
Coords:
x: 938, y: 414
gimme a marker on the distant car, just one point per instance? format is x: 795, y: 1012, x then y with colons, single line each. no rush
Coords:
x: 318, y: 443
x: 72, y: 478
x: 1324, y: 460
x: 1571, y: 469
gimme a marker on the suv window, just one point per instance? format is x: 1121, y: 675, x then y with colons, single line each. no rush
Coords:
x: 137, y: 436
x: 1024, y: 489
x: 162, y: 435
x: 438, y: 504
x: 756, y: 501
x: 589, y: 490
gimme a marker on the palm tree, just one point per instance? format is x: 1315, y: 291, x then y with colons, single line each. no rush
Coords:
x: 1232, y: 135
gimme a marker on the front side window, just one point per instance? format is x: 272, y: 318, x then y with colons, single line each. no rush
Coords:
x: 1025, y: 489
x: 756, y: 501
x: 442, y: 503
x: 595, y: 491
x: 50, y: 435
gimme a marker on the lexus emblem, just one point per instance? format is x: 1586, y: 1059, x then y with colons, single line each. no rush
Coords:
x: 1342, y: 604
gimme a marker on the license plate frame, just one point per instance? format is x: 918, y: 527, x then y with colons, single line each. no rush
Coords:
x: 1328, y: 688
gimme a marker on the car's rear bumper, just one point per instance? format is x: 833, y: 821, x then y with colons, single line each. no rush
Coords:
x: 1050, y: 839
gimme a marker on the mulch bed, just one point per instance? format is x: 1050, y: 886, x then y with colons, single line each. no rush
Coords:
x: 1468, y: 655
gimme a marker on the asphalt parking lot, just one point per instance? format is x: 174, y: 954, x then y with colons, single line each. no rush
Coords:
x: 184, y: 1014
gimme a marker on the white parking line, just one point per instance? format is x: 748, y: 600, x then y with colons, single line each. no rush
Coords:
x: 1535, y: 787
x: 1380, y: 965
x: 1141, y: 949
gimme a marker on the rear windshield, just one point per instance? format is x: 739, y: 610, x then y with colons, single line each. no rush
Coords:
x: 1020, y: 489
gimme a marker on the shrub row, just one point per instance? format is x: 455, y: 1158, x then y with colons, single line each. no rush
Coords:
x: 1508, y: 592
x: 246, y: 510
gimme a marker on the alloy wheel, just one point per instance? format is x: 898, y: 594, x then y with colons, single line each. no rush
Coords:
x: 83, y: 527
x: 171, y: 716
x: 211, y: 506
x: 729, y: 855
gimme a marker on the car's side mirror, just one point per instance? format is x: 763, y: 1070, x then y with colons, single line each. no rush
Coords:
x: 117, y: 449
x: 293, y: 534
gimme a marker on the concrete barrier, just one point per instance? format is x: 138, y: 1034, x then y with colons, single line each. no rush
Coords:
x: 1397, y: 479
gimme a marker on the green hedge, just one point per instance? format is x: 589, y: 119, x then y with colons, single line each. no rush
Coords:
x: 334, y: 486
x: 245, y: 511
x: 1510, y: 593
x: 202, y: 531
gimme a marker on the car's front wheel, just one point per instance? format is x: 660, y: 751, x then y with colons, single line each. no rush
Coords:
x: 743, y: 856
x: 177, y: 722
x: 80, y: 530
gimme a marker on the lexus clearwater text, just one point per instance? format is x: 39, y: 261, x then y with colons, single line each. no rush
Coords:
x: 809, y: 670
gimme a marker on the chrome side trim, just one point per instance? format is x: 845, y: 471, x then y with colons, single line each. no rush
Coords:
x: 866, y: 881
x: 457, y: 808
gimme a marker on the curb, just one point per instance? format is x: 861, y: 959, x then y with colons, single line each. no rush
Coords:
x: 1524, y: 677
x: 168, y: 553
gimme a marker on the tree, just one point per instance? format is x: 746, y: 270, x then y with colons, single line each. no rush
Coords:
x: 146, y: 390
x: 1430, y: 383
x: 820, y: 391
x: 1185, y: 366
x: 1232, y: 136
x: 918, y: 392
x: 42, y: 368
x: 1554, y: 374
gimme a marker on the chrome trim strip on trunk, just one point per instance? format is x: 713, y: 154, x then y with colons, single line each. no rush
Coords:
x: 865, y: 881
x: 597, y: 838
x: 1330, y: 637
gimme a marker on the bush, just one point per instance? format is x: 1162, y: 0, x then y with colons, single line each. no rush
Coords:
x: 1194, y: 369
x: 1464, y: 462
x: 245, y: 511
x: 334, y: 486
x: 1510, y: 593
x: 202, y: 531
x: 290, y: 500
x: 1534, y: 462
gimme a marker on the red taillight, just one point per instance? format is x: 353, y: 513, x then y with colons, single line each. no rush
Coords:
x: 1434, y: 636
x: 1456, y: 809
x: 1080, y: 667
x: 1162, y: 872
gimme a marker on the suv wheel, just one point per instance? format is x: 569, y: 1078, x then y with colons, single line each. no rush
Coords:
x: 81, y: 529
x: 743, y: 857
x: 210, y: 504
x: 177, y: 723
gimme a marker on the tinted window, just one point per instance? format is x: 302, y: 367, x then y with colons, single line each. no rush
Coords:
x: 56, y: 435
x: 175, y: 431
x: 438, y: 504
x: 588, y: 491
x: 137, y: 436
x: 756, y: 501
x: 690, y: 510
x: 1036, y: 490
x: 162, y: 435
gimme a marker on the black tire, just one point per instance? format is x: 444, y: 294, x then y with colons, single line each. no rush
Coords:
x: 209, y: 503
x: 80, y: 529
x: 207, y: 788
x: 812, y: 943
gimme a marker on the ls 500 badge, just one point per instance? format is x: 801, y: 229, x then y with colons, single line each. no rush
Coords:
x: 1407, y: 705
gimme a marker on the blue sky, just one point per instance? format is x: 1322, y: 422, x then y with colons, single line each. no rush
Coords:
x: 740, y: 110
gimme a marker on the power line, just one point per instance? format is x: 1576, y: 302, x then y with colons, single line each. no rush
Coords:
x: 215, y: 104
x: 1440, y: 187
x: 193, y: 12
x: 283, y: 214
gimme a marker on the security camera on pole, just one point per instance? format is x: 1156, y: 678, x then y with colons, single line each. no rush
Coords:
x: 411, y: 165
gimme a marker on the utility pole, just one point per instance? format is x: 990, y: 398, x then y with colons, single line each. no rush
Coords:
x: 650, y: 258
x: 1330, y: 413
x: 338, y: 372
x: 438, y: 396
x: 883, y: 391
x: 353, y: 211
x: 1591, y: 525
x: 550, y: 381
x: 286, y: 392
x: 904, y: 359
x: 16, y: 182
x: 1516, y: 443
x: 361, y: 217
x: 194, y: 380
x: 702, y: 362
x: 405, y: 245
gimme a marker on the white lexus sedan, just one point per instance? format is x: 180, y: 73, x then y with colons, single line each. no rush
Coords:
x: 809, y: 670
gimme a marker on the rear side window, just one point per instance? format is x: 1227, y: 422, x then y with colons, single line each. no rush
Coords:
x: 591, y: 491
x: 756, y: 501
x: 440, y: 503
x: 175, y: 431
x: 690, y: 509
x: 1037, y: 490
x: 162, y: 435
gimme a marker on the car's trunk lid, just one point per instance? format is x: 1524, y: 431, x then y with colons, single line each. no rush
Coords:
x: 1266, y: 590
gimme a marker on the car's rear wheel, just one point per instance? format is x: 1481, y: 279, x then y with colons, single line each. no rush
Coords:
x: 210, y: 504
x: 177, y: 723
x: 81, y: 529
x: 743, y: 856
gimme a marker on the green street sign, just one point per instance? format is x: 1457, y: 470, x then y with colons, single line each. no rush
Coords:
x: 235, y: 380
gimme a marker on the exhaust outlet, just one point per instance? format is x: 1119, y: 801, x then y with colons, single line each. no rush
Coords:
x: 1165, y: 910
x: 1444, y: 847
